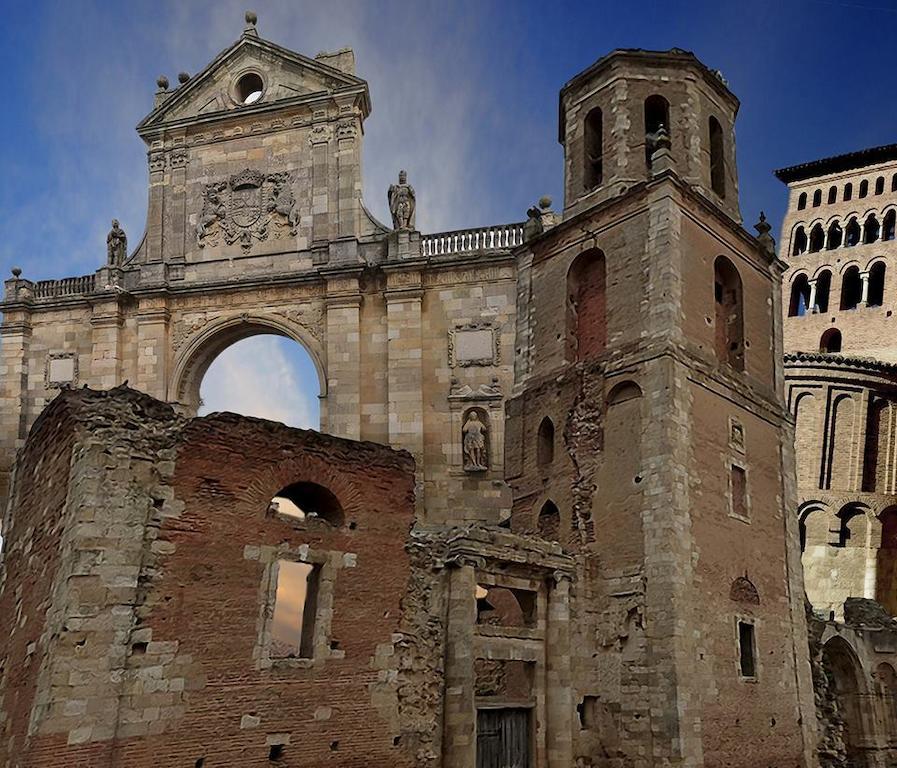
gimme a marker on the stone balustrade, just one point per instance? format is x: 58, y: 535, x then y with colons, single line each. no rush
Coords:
x: 500, y: 238
x: 68, y: 286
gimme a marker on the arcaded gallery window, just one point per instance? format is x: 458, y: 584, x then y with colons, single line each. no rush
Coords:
x: 823, y: 290
x: 851, y: 288
x: 800, y: 297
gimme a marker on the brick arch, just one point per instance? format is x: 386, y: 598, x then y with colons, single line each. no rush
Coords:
x: 197, y: 355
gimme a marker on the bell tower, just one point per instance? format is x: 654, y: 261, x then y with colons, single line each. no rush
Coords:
x: 613, y: 117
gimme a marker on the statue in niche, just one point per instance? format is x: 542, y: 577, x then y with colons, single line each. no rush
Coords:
x: 402, y: 203
x: 116, y: 245
x: 474, y: 433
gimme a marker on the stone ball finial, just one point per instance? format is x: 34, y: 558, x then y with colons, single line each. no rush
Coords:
x: 252, y: 18
x: 162, y: 82
x: 545, y: 202
x: 16, y: 272
x: 183, y: 77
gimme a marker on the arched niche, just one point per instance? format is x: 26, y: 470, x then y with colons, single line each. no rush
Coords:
x: 194, y: 360
x: 847, y: 685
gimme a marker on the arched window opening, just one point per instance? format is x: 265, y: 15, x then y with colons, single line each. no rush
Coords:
x: 308, y: 501
x: 623, y: 392
x: 852, y: 233
x: 894, y: 183
x: 835, y: 236
x: 889, y: 225
x: 887, y: 691
x: 874, y: 474
x: 886, y: 557
x: 823, y: 290
x: 729, y: 315
x: 743, y: 590
x: 864, y: 188
x: 817, y: 198
x: 814, y: 528
x: 830, y: 341
x: 837, y: 472
x: 876, y: 295
x: 802, y: 201
x: 657, y: 114
x: 295, y: 607
x: 817, y: 238
x: 871, y: 229
x: 549, y: 521
x: 593, y: 141
x: 800, y: 242
x: 880, y: 185
x: 851, y: 288
x: 852, y: 528
x: 505, y: 607
x: 832, y: 195
x: 848, y: 192
x: 263, y: 375
x: 717, y: 158
x: 586, y: 306
x: 545, y: 443
x: 843, y: 673
x: 800, y: 297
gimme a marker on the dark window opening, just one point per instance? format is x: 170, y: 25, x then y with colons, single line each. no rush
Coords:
x: 817, y: 238
x: 835, y: 236
x: 729, y: 317
x: 275, y: 752
x: 880, y: 185
x: 850, y: 529
x: 746, y: 649
x: 832, y: 195
x: 894, y: 183
x: 864, y: 188
x: 851, y: 288
x: 852, y: 233
x: 888, y: 227
x: 800, y: 242
x: 830, y: 341
x: 249, y: 88
x: 739, y: 491
x: 802, y: 201
x: 817, y: 198
x: 848, y: 192
x: 505, y: 607
x: 549, y: 524
x: 586, y: 306
x: 871, y: 230
x: 295, y: 609
x: 545, y: 443
x: 587, y: 710
x: 823, y: 290
x: 876, y: 295
x: 657, y: 114
x: 717, y: 158
x: 593, y: 142
x: 308, y: 501
x: 800, y: 297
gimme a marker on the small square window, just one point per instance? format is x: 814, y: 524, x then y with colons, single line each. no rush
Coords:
x: 747, y: 650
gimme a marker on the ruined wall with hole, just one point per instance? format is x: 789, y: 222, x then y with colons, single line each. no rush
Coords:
x: 150, y: 643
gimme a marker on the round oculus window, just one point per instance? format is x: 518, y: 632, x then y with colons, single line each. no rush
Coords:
x: 249, y: 88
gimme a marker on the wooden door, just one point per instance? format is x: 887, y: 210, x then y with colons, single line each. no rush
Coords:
x: 503, y: 738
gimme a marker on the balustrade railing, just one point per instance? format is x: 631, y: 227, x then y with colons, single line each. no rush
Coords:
x: 68, y: 286
x: 500, y: 238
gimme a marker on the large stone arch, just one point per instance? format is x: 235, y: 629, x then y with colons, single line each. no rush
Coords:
x: 194, y: 359
x: 848, y: 686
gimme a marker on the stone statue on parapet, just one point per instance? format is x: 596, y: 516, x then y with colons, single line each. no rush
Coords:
x: 402, y: 203
x: 116, y: 245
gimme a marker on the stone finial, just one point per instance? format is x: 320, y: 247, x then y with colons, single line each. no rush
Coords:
x: 767, y: 242
x: 183, y: 77
x: 545, y: 202
x: 252, y: 20
x: 16, y: 272
x: 162, y: 82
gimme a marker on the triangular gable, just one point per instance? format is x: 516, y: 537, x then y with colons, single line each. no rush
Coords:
x: 209, y: 92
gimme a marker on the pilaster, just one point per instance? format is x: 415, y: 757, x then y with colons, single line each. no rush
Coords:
x: 105, y: 333
x: 343, y: 303
x: 558, y: 698
x: 152, y: 348
x: 459, y: 710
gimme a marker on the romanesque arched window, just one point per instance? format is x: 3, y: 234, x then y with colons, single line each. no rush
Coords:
x: 802, y: 201
x: 586, y: 306
x: 876, y: 294
x: 823, y: 290
x: 729, y: 314
x: 717, y: 158
x: 894, y: 183
x: 848, y: 191
x: 817, y: 238
x: 832, y: 195
x: 871, y: 229
x: 549, y: 523
x: 800, y: 242
x: 852, y: 233
x: 851, y: 288
x: 800, y: 297
x: 864, y: 188
x: 593, y: 152
x: 830, y: 341
x: 545, y: 443
x: 817, y: 198
x: 657, y: 114
x: 310, y: 502
x: 835, y: 236
x: 880, y: 185
x: 889, y: 225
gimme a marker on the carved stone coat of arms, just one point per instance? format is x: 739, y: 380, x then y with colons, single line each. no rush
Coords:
x: 249, y: 206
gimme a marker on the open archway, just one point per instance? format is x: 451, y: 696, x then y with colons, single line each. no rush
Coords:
x: 255, y: 367
x: 846, y: 685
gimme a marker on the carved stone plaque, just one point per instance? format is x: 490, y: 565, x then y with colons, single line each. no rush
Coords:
x: 61, y: 370
x: 473, y: 346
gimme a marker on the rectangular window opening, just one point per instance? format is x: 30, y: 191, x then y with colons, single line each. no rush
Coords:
x: 295, y: 606
x: 746, y: 649
x: 739, y: 491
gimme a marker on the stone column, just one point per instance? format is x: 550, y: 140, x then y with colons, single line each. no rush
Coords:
x: 175, y: 236
x: 811, y: 304
x: 152, y: 349
x: 459, y: 727
x: 558, y: 702
x: 348, y: 171
x: 343, y: 304
x: 154, y: 216
x: 105, y: 334
x: 319, y: 138
x: 864, y: 300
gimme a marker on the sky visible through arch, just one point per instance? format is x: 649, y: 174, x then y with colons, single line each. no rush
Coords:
x: 464, y: 97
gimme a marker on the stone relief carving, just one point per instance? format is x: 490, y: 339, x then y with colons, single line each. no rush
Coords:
x: 319, y: 134
x: 475, y: 440
x: 189, y: 324
x: 490, y: 391
x: 346, y: 130
x: 310, y: 317
x: 116, y: 245
x: 402, y: 203
x: 246, y: 207
x: 156, y: 162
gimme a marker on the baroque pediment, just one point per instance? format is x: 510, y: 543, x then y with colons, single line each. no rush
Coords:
x: 284, y: 75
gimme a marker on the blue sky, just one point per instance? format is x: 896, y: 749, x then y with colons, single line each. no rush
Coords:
x: 464, y: 96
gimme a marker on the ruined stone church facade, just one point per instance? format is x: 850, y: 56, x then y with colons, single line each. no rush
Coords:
x: 579, y: 548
